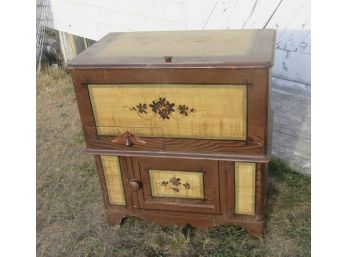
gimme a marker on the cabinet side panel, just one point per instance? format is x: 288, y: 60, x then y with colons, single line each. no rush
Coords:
x: 113, y: 179
x: 245, y: 188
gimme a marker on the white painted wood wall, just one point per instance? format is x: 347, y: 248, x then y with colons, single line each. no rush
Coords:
x: 95, y: 18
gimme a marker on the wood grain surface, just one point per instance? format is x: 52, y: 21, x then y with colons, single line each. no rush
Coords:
x: 245, y: 188
x: 183, y: 184
x: 179, y: 44
x: 113, y: 180
x: 257, y: 81
x: 217, y: 208
x: 208, y: 169
x: 242, y: 48
x: 219, y: 111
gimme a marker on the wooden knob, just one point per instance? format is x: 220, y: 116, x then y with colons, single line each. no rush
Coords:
x: 127, y: 139
x: 134, y: 185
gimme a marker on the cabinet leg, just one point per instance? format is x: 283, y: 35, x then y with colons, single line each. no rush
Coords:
x: 114, y: 218
x: 255, y: 229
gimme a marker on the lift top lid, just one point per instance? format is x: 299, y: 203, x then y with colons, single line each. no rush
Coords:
x: 208, y: 48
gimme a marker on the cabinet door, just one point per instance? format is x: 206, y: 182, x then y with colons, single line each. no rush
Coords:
x: 177, y: 184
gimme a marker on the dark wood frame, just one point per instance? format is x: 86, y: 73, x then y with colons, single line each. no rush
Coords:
x: 210, y: 203
x: 255, y: 147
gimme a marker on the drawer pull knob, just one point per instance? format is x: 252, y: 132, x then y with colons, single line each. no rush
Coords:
x: 128, y: 139
x: 134, y: 185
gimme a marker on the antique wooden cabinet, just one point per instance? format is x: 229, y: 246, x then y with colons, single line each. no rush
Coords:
x: 179, y: 123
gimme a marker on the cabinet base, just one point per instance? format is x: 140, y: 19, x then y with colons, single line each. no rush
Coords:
x: 253, y: 227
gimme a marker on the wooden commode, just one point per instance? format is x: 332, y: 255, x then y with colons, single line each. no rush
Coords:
x: 180, y: 124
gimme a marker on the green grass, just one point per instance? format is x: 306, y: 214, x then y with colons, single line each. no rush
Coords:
x: 70, y: 214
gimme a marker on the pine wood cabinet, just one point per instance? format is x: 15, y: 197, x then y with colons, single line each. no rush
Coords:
x: 179, y: 124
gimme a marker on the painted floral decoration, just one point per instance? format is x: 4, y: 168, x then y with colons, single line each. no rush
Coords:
x: 142, y: 108
x: 185, y: 110
x: 175, y: 183
x: 162, y: 108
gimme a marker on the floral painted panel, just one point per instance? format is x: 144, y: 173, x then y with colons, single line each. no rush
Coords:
x: 171, y: 110
x: 182, y: 184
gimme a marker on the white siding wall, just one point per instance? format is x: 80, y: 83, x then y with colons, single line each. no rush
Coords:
x: 95, y: 18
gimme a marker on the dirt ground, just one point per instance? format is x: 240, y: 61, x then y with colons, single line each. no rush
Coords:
x: 70, y: 215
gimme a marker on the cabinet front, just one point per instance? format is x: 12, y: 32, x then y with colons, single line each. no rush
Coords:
x: 194, y: 111
x: 177, y: 184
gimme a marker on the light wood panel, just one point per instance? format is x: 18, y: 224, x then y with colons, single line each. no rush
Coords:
x: 219, y: 111
x: 113, y: 179
x: 183, y: 184
x: 180, y: 44
x: 245, y: 173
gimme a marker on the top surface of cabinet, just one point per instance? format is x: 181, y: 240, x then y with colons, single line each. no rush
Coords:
x: 235, y: 48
